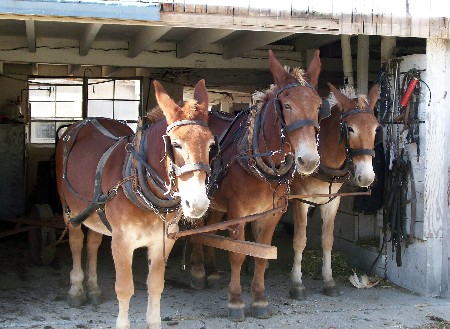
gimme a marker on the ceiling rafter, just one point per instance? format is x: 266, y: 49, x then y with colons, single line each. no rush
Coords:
x: 250, y: 41
x: 31, y: 35
x: 314, y: 41
x: 145, y: 37
x: 198, y: 40
x: 89, y: 34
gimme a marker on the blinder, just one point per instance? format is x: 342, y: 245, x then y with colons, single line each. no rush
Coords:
x: 324, y: 110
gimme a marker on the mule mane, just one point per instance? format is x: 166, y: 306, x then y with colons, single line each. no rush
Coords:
x: 154, y: 115
x: 260, y: 97
x: 350, y: 92
x: 189, y: 111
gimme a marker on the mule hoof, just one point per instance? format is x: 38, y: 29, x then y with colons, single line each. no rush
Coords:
x: 331, y: 291
x: 236, y: 314
x: 76, y: 301
x: 260, y: 312
x: 213, y: 282
x: 95, y: 298
x: 198, y: 283
x: 297, y: 293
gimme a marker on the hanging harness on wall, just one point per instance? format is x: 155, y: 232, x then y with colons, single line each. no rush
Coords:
x: 399, y: 176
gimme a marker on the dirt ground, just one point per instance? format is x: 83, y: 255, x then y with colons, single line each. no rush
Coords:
x: 35, y: 297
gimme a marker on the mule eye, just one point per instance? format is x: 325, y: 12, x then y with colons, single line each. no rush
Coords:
x: 350, y: 129
x: 287, y: 106
x: 176, y: 145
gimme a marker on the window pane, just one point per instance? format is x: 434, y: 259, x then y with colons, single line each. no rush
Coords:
x: 126, y: 110
x: 100, y: 89
x: 44, y: 94
x: 42, y: 110
x: 69, y: 93
x: 42, y: 132
x: 128, y: 89
x: 100, y: 109
x: 69, y: 109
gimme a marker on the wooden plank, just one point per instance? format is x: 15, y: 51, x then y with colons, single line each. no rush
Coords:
x: 436, y: 145
x: 253, y: 249
x: 226, y: 224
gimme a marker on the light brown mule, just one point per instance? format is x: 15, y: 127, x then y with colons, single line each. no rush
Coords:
x: 258, y: 153
x: 89, y: 159
x: 346, y: 139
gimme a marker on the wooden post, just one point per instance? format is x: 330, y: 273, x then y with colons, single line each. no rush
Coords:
x: 347, y: 60
x: 437, y: 158
x: 362, y: 64
x: 387, y: 48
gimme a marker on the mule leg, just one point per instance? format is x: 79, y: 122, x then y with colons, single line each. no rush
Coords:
x: 212, y: 274
x: 328, y: 213
x: 263, y: 231
x: 94, y: 239
x: 297, y: 290
x: 155, y: 280
x: 235, y: 304
x: 76, y: 295
x: 203, y: 267
x: 122, y: 253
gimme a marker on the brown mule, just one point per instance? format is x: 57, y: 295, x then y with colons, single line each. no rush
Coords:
x: 131, y: 188
x: 259, y: 153
x: 346, y: 143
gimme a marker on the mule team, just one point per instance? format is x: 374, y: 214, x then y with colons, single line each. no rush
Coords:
x: 135, y: 187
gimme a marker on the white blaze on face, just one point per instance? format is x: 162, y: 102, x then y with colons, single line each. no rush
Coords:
x: 306, y: 155
x: 364, y: 175
x: 194, y: 200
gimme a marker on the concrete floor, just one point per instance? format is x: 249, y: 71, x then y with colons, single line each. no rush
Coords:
x: 34, y: 297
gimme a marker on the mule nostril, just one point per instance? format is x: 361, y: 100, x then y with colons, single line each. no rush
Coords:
x: 187, y: 204
x: 359, y: 178
x: 300, y: 161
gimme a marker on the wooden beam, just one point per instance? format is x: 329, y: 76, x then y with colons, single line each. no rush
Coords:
x: 250, y: 41
x: 145, y: 37
x: 34, y: 69
x: 313, y: 41
x: 347, y: 65
x: 253, y: 249
x: 71, y: 68
x: 31, y: 35
x: 387, y: 48
x: 198, y: 40
x: 362, y: 64
x: 89, y: 34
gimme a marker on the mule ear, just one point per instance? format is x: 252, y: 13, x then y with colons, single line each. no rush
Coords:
x: 167, y: 105
x: 280, y: 76
x: 201, y: 96
x: 313, y: 71
x: 373, y: 96
x: 344, y: 102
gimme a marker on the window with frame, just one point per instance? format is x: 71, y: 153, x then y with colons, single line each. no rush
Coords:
x: 54, y: 102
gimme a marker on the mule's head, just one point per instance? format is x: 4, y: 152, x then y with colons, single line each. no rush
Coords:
x: 298, y: 105
x: 358, y: 130
x: 190, y: 142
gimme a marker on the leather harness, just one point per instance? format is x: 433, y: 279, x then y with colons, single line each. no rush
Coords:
x: 136, y: 173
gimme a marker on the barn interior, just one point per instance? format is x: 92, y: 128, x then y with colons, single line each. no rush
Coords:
x: 71, y: 61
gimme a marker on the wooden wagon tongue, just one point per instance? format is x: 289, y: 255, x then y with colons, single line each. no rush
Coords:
x: 239, y: 246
